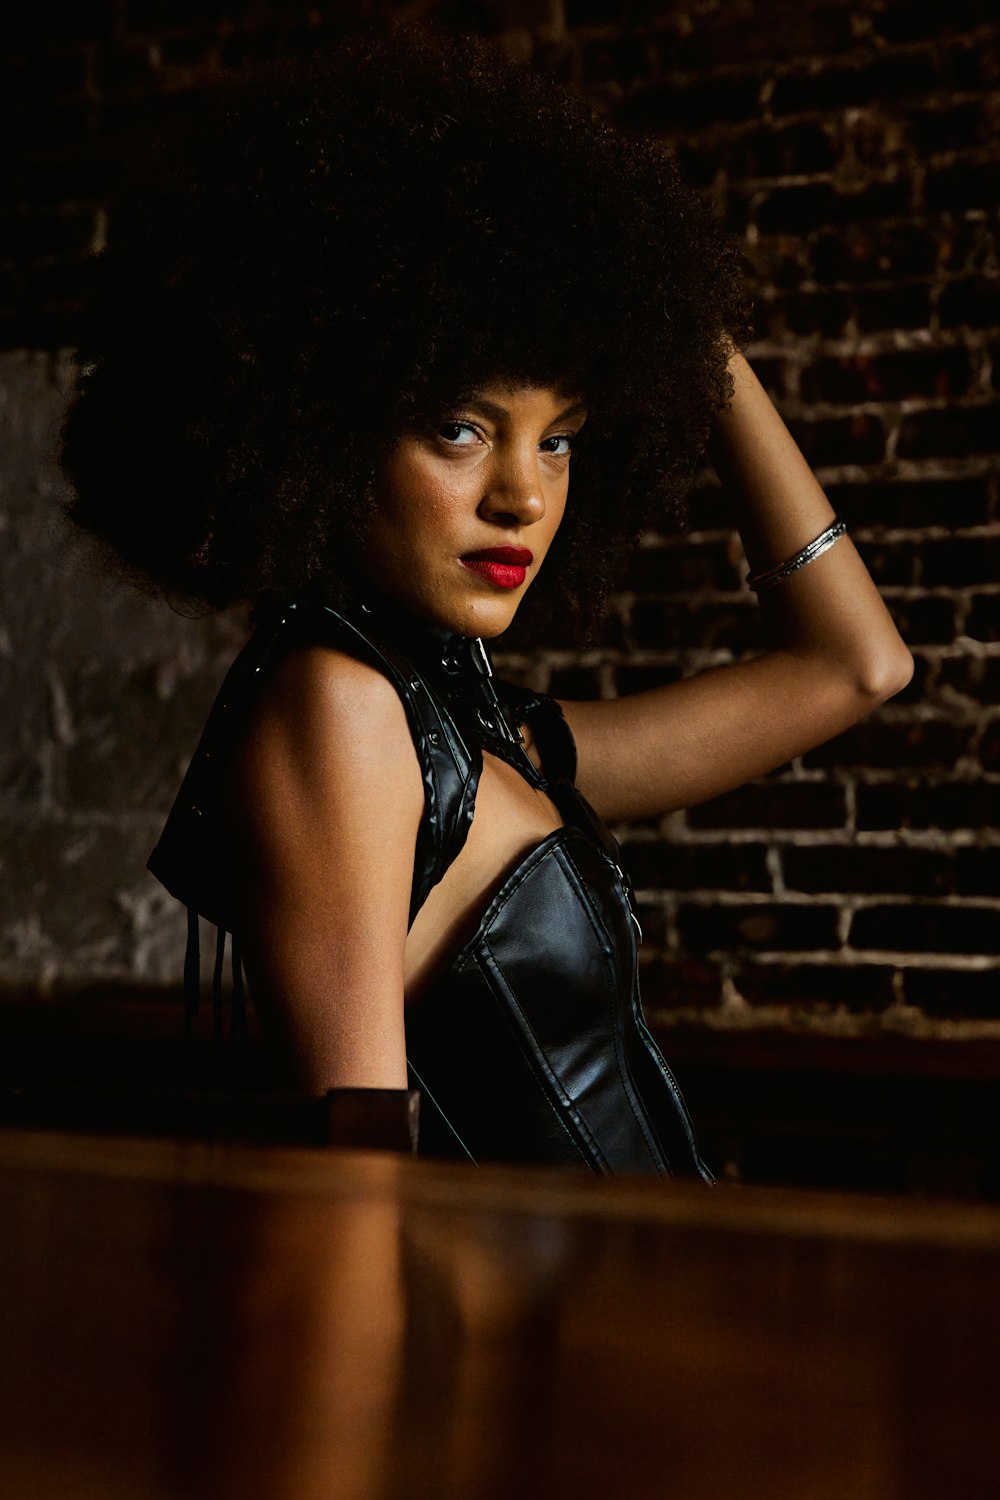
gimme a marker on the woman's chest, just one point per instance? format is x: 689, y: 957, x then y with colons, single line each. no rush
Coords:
x: 511, y: 818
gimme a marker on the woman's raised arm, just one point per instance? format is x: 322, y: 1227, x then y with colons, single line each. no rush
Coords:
x: 833, y: 652
x: 323, y: 803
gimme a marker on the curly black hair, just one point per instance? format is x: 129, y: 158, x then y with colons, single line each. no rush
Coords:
x: 330, y: 250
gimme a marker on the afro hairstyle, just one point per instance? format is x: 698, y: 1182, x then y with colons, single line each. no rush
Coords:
x: 322, y: 253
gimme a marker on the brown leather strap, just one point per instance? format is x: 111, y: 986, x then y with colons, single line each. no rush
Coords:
x: 373, y: 1119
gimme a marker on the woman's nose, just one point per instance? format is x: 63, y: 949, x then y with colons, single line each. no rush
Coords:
x: 513, y: 494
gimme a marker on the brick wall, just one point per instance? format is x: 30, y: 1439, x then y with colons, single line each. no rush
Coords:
x: 854, y: 147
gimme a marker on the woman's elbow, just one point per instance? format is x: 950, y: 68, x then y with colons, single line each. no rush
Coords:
x: 884, y: 675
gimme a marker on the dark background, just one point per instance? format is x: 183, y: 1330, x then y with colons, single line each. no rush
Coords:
x: 823, y: 946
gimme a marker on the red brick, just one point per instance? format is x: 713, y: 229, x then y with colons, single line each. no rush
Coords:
x: 978, y: 871
x: 641, y: 679
x: 803, y: 207
x: 906, y: 306
x: 711, y: 508
x: 887, y: 377
x: 668, y: 983
x: 954, y: 994
x: 858, y: 987
x: 662, y: 625
x: 855, y: 868
x: 780, y: 32
x: 696, y: 867
x: 874, y: 252
x: 765, y: 925
x: 152, y: 17
x: 668, y: 105
x: 972, y: 302
x: 844, y: 86
x: 683, y: 566
x: 593, y: 12
x: 774, y: 804
x: 925, y: 804
x: 953, y: 127
x: 969, y: 245
x: 770, y: 151
x: 781, y: 261
x: 983, y: 620
x: 65, y: 20
x: 968, y: 183
x: 619, y: 59
x: 905, y: 21
x: 950, y: 433
x: 895, y: 743
x: 989, y: 746
x: 834, y: 441
x: 976, y: 677
x: 827, y: 313
x: 957, y: 561
x: 575, y: 682
x: 925, y: 928
x: 924, y: 622
x: 912, y: 503
x: 917, y: 689
x: 969, y: 66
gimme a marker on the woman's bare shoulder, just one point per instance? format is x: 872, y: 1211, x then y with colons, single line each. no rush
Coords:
x: 308, y: 681
x: 325, y: 721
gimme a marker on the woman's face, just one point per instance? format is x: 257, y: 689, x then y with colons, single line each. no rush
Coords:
x: 466, y: 511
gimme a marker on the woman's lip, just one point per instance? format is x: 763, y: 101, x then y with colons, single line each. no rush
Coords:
x: 513, y: 557
x: 503, y: 575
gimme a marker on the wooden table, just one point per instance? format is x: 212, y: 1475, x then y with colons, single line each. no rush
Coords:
x: 182, y: 1320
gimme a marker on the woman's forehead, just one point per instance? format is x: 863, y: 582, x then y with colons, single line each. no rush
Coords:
x: 503, y: 399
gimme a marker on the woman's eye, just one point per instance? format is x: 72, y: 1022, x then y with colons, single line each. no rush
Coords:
x: 563, y: 444
x: 458, y: 434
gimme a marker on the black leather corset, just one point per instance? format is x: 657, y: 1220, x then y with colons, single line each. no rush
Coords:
x: 530, y: 1046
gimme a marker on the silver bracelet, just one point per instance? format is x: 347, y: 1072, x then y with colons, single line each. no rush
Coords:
x: 809, y: 553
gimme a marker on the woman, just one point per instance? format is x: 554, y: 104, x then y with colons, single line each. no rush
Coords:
x: 352, y: 331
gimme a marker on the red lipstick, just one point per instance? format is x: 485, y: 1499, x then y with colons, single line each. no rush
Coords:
x: 502, y: 566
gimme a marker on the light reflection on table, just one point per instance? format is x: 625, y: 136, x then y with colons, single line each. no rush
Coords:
x: 180, y: 1320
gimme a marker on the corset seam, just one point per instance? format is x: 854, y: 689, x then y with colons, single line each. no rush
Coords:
x: 562, y: 1106
x: 629, y: 1086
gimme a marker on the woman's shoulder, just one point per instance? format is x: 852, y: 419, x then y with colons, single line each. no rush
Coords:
x: 324, y: 712
x: 312, y: 678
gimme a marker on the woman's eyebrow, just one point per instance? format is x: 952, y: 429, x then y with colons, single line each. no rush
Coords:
x: 575, y: 410
x: 499, y: 413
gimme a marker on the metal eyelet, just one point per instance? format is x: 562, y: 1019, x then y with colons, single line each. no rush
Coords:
x: 484, y: 719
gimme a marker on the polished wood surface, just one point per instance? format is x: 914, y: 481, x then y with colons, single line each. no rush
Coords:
x: 182, y: 1320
